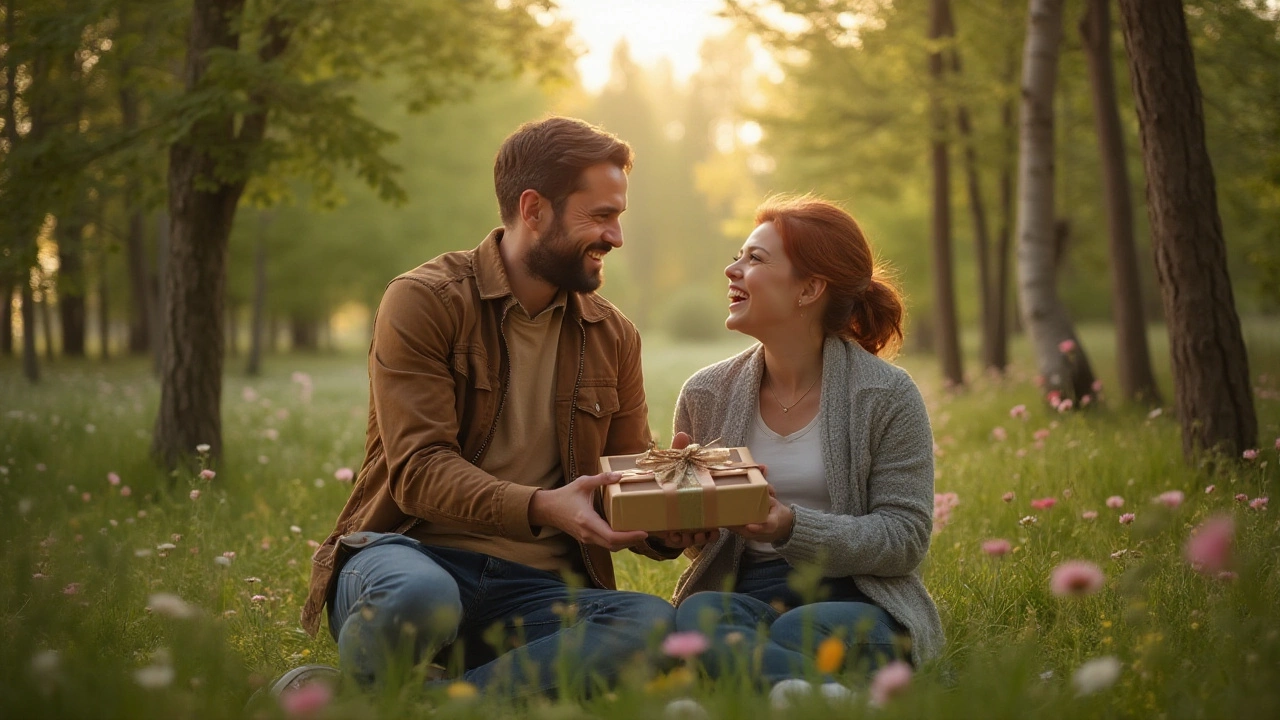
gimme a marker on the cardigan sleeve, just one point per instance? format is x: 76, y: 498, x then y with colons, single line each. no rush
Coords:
x: 893, y: 537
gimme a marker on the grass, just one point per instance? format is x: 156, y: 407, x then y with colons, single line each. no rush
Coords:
x: 82, y: 557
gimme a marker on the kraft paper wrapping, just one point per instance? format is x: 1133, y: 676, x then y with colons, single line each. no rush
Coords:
x: 712, y: 487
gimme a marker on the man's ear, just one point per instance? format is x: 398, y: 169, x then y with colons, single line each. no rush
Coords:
x: 535, y: 210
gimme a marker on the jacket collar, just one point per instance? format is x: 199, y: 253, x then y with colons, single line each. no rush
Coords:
x: 491, y: 280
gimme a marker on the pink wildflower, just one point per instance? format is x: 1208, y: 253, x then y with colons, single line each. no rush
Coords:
x: 1126, y: 518
x: 998, y: 433
x: 1065, y: 406
x: 1044, y: 503
x: 86, y: 496
x: 113, y: 478
x: 194, y: 495
x: 1170, y: 498
x: 1241, y: 497
x: 306, y: 701
x: 1008, y: 497
x: 344, y: 474
x: 1209, y: 489
x: 71, y: 589
x: 685, y: 645
x: 1019, y: 412
x: 1258, y: 503
x: 1076, y: 577
x: 1042, y: 434
x: 1115, y: 501
x: 207, y: 474
x: 1054, y: 397
x: 1208, y: 549
x: 1097, y: 386
x: 1278, y: 443
x: 1089, y: 514
x: 1066, y: 347
x: 997, y: 547
x: 125, y: 491
x: 889, y: 682
x: 1250, y: 454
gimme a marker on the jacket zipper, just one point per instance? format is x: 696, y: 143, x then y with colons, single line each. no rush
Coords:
x: 573, y: 460
x: 506, y: 385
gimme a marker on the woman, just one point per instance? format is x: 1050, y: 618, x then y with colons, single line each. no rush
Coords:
x: 849, y: 452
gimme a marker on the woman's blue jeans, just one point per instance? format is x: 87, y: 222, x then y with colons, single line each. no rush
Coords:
x: 518, y: 630
x: 767, y: 631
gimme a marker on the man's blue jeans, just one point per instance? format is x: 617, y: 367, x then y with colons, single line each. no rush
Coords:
x: 766, y: 613
x: 521, y: 630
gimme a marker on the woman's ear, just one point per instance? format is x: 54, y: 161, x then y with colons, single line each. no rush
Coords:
x: 813, y: 290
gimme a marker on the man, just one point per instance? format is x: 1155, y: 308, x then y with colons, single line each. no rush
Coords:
x: 497, y: 379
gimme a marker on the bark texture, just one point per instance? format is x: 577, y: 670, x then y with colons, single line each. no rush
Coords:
x: 1210, y: 365
x: 1062, y: 364
x: 1133, y: 358
x: 201, y: 210
x: 945, y: 324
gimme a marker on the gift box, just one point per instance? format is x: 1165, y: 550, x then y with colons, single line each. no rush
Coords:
x: 687, y: 489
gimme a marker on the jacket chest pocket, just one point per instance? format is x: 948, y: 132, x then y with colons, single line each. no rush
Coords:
x: 593, y: 412
x: 472, y: 366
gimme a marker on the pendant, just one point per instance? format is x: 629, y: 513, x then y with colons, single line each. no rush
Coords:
x: 786, y: 410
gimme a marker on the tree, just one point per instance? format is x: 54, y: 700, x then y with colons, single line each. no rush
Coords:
x: 1133, y: 359
x: 1210, y: 366
x: 945, y: 326
x: 1060, y: 357
x: 295, y: 64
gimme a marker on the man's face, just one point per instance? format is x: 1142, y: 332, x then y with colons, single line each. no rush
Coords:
x: 571, y: 254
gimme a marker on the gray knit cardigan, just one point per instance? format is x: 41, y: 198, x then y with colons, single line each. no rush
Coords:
x: 877, y: 451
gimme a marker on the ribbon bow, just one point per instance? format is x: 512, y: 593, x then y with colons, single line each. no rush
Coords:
x: 679, y: 467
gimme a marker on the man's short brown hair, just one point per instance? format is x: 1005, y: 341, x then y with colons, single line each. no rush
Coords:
x: 548, y: 156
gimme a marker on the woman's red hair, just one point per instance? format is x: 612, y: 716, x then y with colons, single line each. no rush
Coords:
x: 823, y: 241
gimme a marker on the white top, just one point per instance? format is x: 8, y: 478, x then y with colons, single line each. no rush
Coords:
x: 795, y: 470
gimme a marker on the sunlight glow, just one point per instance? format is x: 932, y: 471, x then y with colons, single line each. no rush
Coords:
x: 656, y: 30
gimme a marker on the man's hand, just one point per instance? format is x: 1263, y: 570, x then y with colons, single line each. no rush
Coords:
x: 777, y: 524
x: 571, y: 509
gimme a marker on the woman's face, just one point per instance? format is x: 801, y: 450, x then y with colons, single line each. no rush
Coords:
x: 764, y: 291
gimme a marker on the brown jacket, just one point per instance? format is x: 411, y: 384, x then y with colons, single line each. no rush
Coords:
x: 438, y: 376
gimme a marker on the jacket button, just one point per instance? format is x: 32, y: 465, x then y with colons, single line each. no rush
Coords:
x: 597, y: 407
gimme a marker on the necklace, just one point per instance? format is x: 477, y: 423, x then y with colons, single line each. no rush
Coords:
x: 787, y: 408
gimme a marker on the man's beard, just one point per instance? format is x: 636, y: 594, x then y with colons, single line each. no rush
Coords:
x: 556, y: 259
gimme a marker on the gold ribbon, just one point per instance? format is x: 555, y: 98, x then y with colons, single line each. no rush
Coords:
x: 679, y: 468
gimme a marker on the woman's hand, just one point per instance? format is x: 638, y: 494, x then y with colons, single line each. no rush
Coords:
x: 776, y: 527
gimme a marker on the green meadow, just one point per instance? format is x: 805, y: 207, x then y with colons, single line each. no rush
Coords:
x: 85, y: 556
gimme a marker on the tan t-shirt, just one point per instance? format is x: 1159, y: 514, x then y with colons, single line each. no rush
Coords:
x: 524, y: 449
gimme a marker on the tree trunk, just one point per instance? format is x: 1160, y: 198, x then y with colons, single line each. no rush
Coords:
x: 233, y: 329
x: 46, y: 325
x: 140, y: 281
x: 1210, y: 365
x: 6, y: 321
x: 302, y: 332
x: 1061, y: 359
x: 156, y: 292
x: 104, y: 315
x: 978, y: 211
x: 1009, y: 131
x: 946, y: 326
x: 254, y: 367
x: 30, y: 361
x: 1133, y: 359
x: 71, y: 280
x: 202, y: 207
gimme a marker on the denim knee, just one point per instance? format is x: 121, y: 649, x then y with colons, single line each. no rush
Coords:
x: 703, y: 611
x: 417, y: 605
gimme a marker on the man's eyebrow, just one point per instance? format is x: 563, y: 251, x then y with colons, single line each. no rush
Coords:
x: 608, y: 210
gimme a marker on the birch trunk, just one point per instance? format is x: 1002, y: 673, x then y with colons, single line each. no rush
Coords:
x: 1059, y: 356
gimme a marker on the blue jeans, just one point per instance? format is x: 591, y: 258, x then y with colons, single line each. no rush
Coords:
x: 768, y: 631
x: 516, y: 629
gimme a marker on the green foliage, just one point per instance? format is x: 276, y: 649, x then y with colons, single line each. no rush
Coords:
x: 1189, y: 645
x: 694, y: 314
